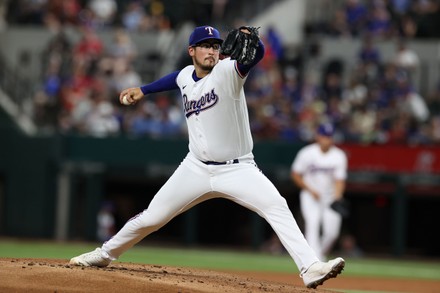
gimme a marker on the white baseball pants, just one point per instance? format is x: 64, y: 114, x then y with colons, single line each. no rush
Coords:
x: 194, y: 182
x: 319, y: 216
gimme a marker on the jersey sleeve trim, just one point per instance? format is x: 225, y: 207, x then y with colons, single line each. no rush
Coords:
x: 237, y: 69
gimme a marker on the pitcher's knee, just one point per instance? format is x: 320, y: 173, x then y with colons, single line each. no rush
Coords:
x: 278, y: 202
x: 150, y: 221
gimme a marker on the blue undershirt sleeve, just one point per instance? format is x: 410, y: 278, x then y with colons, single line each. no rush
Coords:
x: 244, y: 69
x: 166, y: 83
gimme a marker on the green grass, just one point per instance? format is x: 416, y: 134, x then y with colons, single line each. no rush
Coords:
x: 221, y: 259
x: 214, y: 259
x: 394, y: 268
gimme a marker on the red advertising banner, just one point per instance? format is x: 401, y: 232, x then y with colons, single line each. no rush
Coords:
x: 393, y: 159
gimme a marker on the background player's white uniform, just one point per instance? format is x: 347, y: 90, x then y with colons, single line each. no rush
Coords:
x: 320, y: 170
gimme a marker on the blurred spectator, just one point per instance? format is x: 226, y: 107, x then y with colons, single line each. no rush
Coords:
x: 378, y: 21
x: 134, y: 18
x: 338, y: 26
x: 124, y: 76
x: 89, y: 48
x: 336, y: 110
x: 406, y: 58
x: 416, y: 106
x: 369, y: 62
x: 355, y: 94
x: 406, y: 27
x: 122, y: 46
x: 364, y: 123
x: 95, y: 116
x: 369, y: 54
x: 332, y: 87
x: 103, y: 12
x: 159, y: 20
x: 398, y: 130
x: 62, y: 12
x: 101, y: 121
x: 291, y: 88
x: 77, y: 86
x: 387, y: 86
x: 356, y: 15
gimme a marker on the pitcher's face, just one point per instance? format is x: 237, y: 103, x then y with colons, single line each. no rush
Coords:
x: 205, y: 55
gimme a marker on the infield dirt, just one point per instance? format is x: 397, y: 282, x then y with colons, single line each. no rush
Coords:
x: 50, y: 275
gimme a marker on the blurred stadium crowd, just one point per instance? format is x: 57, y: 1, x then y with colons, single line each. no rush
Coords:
x: 288, y: 94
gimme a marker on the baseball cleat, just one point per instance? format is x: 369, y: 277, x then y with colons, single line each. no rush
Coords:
x: 94, y: 258
x: 319, y: 272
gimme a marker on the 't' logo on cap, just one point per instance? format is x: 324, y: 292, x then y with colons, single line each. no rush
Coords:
x: 209, y: 29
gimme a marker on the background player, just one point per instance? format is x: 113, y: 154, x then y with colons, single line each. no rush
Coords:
x: 320, y: 171
x: 220, y: 162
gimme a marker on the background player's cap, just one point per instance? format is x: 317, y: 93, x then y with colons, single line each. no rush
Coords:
x: 202, y: 33
x: 326, y: 129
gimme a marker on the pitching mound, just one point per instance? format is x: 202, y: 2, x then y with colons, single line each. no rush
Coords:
x: 48, y: 275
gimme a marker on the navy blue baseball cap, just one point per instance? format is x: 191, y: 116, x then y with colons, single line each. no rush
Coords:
x: 326, y: 129
x: 202, y: 33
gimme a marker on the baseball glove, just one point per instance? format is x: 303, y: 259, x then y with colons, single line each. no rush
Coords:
x: 341, y: 206
x: 241, y: 46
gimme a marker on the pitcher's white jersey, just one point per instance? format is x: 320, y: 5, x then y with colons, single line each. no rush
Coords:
x: 320, y: 170
x: 216, y: 113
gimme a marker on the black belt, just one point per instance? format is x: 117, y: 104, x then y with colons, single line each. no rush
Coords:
x: 234, y: 161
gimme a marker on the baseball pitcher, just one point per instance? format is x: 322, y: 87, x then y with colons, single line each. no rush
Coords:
x: 220, y: 162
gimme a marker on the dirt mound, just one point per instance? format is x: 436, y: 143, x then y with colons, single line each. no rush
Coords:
x: 49, y: 275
